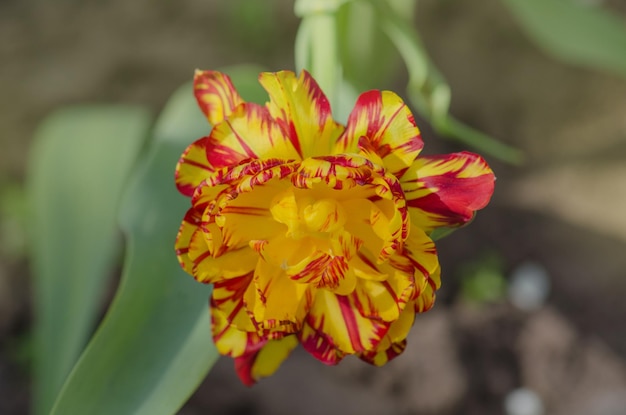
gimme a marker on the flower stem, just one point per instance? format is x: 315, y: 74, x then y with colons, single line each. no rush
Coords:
x: 317, y: 44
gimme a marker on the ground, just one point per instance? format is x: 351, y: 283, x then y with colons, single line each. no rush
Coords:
x: 562, y: 209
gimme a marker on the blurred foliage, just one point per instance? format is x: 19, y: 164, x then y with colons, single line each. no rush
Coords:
x: 482, y: 280
x: 575, y: 31
x: 78, y: 165
x: 13, y: 220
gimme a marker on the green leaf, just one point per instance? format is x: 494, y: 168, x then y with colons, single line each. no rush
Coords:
x: 363, y: 44
x: 154, y: 346
x: 577, y: 33
x: 80, y: 160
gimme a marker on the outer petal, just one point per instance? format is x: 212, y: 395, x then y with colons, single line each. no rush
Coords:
x: 446, y: 190
x: 334, y: 323
x: 183, y: 239
x: 248, y: 133
x: 227, y: 300
x: 212, y: 260
x: 394, y: 341
x: 385, y: 120
x: 303, y: 112
x: 265, y: 361
x: 193, y: 166
x: 216, y: 95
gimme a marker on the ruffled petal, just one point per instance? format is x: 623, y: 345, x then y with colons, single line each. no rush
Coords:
x: 216, y: 95
x: 303, y: 112
x: 193, y: 167
x: 387, y: 123
x: 187, y: 228
x: 335, y: 322
x: 212, y: 260
x: 446, y: 190
x: 394, y: 342
x: 421, y: 251
x: 277, y: 304
x: 265, y: 361
x: 227, y: 299
x: 384, y: 300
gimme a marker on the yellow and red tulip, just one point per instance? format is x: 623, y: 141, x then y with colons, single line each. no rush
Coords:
x: 313, y: 232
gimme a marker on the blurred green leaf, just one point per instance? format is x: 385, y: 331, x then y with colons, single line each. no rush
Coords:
x: 482, y: 280
x: 154, y: 346
x: 428, y: 90
x: 363, y: 44
x: 577, y: 33
x: 79, y: 162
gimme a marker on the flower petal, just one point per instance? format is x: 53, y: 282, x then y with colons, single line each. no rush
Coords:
x: 193, y: 167
x: 249, y: 133
x: 277, y: 303
x: 187, y: 228
x: 302, y: 111
x: 394, y: 342
x: 385, y: 120
x: 335, y: 323
x: 212, y: 260
x: 216, y: 95
x: 227, y: 299
x: 264, y: 362
x: 446, y: 190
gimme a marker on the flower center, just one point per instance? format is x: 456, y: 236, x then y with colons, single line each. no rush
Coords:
x: 305, y: 216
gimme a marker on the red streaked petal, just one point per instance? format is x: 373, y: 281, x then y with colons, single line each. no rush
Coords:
x: 335, y: 322
x: 446, y: 190
x: 213, y: 261
x: 193, y: 167
x: 216, y: 95
x: 249, y: 133
x: 384, y: 300
x: 302, y: 110
x: 227, y: 299
x: 183, y: 239
x: 277, y: 304
x: 394, y: 342
x: 385, y: 120
x: 265, y: 361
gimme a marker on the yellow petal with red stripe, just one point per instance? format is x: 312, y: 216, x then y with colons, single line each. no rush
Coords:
x: 212, y: 261
x: 277, y: 303
x: 227, y: 299
x: 303, y: 112
x: 183, y: 239
x: 265, y: 361
x: 387, y: 123
x: 249, y: 133
x: 394, y: 341
x: 335, y: 323
x: 193, y: 167
x: 446, y: 190
x: 216, y: 95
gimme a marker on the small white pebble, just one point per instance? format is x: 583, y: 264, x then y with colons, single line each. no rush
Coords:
x: 523, y: 401
x: 529, y: 286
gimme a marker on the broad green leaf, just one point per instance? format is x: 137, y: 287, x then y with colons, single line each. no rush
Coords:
x: 80, y: 160
x: 154, y: 346
x: 581, y: 34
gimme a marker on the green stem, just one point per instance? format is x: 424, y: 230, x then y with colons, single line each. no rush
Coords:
x: 317, y: 45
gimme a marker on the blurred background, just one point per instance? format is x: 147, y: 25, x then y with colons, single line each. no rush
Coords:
x: 531, y: 314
